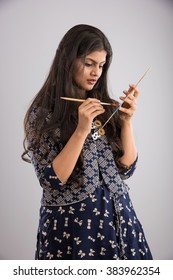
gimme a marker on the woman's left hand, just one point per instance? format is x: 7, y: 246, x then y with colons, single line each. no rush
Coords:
x: 129, y: 102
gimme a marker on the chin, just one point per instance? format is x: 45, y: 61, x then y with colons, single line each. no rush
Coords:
x: 85, y: 88
x: 88, y: 88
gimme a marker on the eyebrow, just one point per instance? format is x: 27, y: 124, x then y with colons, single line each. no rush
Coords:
x: 95, y: 61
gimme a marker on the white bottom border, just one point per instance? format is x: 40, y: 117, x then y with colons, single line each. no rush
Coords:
x: 86, y: 269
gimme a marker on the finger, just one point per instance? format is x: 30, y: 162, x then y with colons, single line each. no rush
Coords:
x: 129, y: 96
x: 134, y: 90
x: 95, y: 108
x: 122, y: 98
x: 125, y: 92
x: 91, y: 107
x: 128, y: 112
x: 131, y: 99
x: 90, y: 101
x: 132, y: 103
x: 97, y: 113
x: 130, y: 89
x: 90, y: 115
x: 129, y: 102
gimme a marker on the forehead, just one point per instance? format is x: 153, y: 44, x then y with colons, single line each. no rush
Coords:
x: 97, y: 56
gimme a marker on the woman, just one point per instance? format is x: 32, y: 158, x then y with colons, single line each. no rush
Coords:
x: 86, y: 212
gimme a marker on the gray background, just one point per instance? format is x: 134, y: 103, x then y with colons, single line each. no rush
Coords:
x: 141, y: 35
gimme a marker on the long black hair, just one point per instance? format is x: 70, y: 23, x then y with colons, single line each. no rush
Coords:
x: 79, y: 41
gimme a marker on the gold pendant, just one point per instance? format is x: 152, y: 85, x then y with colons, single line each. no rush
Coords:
x: 101, y: 131
x: 98, y: 123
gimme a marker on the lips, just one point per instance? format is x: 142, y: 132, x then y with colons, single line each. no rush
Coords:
x: 91, y: 81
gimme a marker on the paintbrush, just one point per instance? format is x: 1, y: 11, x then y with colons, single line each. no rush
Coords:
x: 142, y: 77
x: 82, y: 100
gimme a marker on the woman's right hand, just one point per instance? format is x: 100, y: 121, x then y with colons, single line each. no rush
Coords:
x: 87, y: 111
x: 69, y: 155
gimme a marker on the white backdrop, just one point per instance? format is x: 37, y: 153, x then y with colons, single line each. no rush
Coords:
x: 140, y: 32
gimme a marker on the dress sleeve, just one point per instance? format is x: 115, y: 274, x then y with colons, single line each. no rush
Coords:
x: 126, y: 172
x: 43, y: 156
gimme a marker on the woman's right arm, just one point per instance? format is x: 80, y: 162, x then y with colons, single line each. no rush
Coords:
x: 65, y: 161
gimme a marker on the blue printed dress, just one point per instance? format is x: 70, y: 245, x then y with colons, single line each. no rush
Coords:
x: 94, y: 222
x: 95, y: 228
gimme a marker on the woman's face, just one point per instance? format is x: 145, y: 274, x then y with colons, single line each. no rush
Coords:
x: 88, y: 70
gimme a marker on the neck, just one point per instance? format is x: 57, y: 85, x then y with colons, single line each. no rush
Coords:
x: 82, y: 93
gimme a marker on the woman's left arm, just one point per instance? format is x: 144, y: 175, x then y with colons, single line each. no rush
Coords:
x: 127, y: 137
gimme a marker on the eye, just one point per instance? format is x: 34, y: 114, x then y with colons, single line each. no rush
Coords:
x: 88, y: 64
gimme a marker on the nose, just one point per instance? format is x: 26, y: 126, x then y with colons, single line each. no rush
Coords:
x: 95, y: 71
